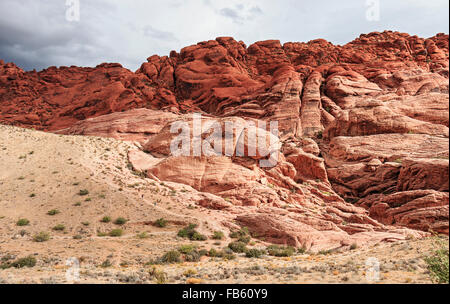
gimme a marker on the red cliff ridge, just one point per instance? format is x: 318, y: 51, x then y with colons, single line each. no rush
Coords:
x: 364, y: 130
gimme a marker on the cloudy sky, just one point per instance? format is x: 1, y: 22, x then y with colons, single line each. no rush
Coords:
x: 36, y: 34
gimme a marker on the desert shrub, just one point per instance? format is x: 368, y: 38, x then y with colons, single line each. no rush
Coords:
x: 193, y: 256
x: 83, y: 192
x: 120, y: 221
x: 106, y: 219
x: 185, y: 249
x: 172, y: 256
x: 225, y: 254
x: 213, y: 253
x: 189, y: 273
x: 106, y: 263
x: 254, y: 253
x: 198, y: 237
x: 240, y: 233
x: 142, y: 235
x: 28, y: 261
x: 190, y: 233
x: 203, y: 252
x: 77, y: 237
x: 244, y: 239
x: 218, y: 235
x: 353, y: 246
x: 161, y: 223
x: 116, y: 232
x: 22, y: 222
x: 159, y: 275
x: 59, y: 227
x: 237, y: 246
x: 41, y: 237
x: 280, y: 251
x: 437, y: 262
x: 302, y: 250
x: 53, y: 212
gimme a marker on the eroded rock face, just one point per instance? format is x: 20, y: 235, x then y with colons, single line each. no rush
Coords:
x: 362, y: 155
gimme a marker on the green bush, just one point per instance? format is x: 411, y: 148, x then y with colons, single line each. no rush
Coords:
x: 218, y: 235
x: 254, y: 253
x: 41, y: 237
x: 59, y: 227
x: 280, y: 251
x: 53, y: 212
x: 28, y: 261
x: 172, y: 256
x: 190, y: 233
x: 185, y: 249
x: 237, y: 246
x: 83, y: 192
x: 301, y: 250
x: 116, y: 232
x: 120, y: 221
x: 244, y: 239
x: 193, y: 256
x: 106, y: 263
x: 240, y: 233
x: 161, y: 223
x: 106, y: 219
x: 22, y: 222
x: 438, y: 262
x: 142, y: 235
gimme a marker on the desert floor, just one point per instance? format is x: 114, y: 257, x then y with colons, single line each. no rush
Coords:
x: 42, y: 172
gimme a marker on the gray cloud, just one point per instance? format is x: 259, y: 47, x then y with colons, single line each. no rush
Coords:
x: 35, y: 34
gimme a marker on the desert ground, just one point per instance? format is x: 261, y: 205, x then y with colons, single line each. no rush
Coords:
x: 65, y: 185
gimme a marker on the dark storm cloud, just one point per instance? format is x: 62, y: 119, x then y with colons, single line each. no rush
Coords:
x: 35, y: 33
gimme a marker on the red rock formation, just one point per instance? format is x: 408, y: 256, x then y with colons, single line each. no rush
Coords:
x: 366, y: 122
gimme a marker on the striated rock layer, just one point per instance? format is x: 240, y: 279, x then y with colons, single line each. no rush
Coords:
x: 363, y: 146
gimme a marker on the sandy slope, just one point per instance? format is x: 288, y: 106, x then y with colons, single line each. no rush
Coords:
x: 42, y: 171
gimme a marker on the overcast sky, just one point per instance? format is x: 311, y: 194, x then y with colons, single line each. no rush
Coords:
x: 36, y: 34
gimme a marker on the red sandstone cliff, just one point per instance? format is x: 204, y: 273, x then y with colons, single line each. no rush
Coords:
x: 364, y: 129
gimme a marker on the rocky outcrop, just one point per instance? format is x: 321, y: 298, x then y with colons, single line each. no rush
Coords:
x: 362, y: 152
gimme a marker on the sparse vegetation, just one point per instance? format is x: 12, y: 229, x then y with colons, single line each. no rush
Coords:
x: 23, y: 222
x: 190, y: 233
x: 172, y: 256
x: 437, y: 262
x: 28, y: 261
x: 226, y: 254
x: 240, y: 233
x: 280, y: 251
x: 159, y: 275
x: 142, y: 235
x: 238, y: 247
x: 83, y: 192
x: 161, y: 223
x: 59, y: 227
x: 41, y: 237
x: 120, y: 221
x: 106, y: 219
x: 106, y: 263
x: 254, y: 253
x: 53, y: 212
x: 218, y: 235
x: 116, y: 232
